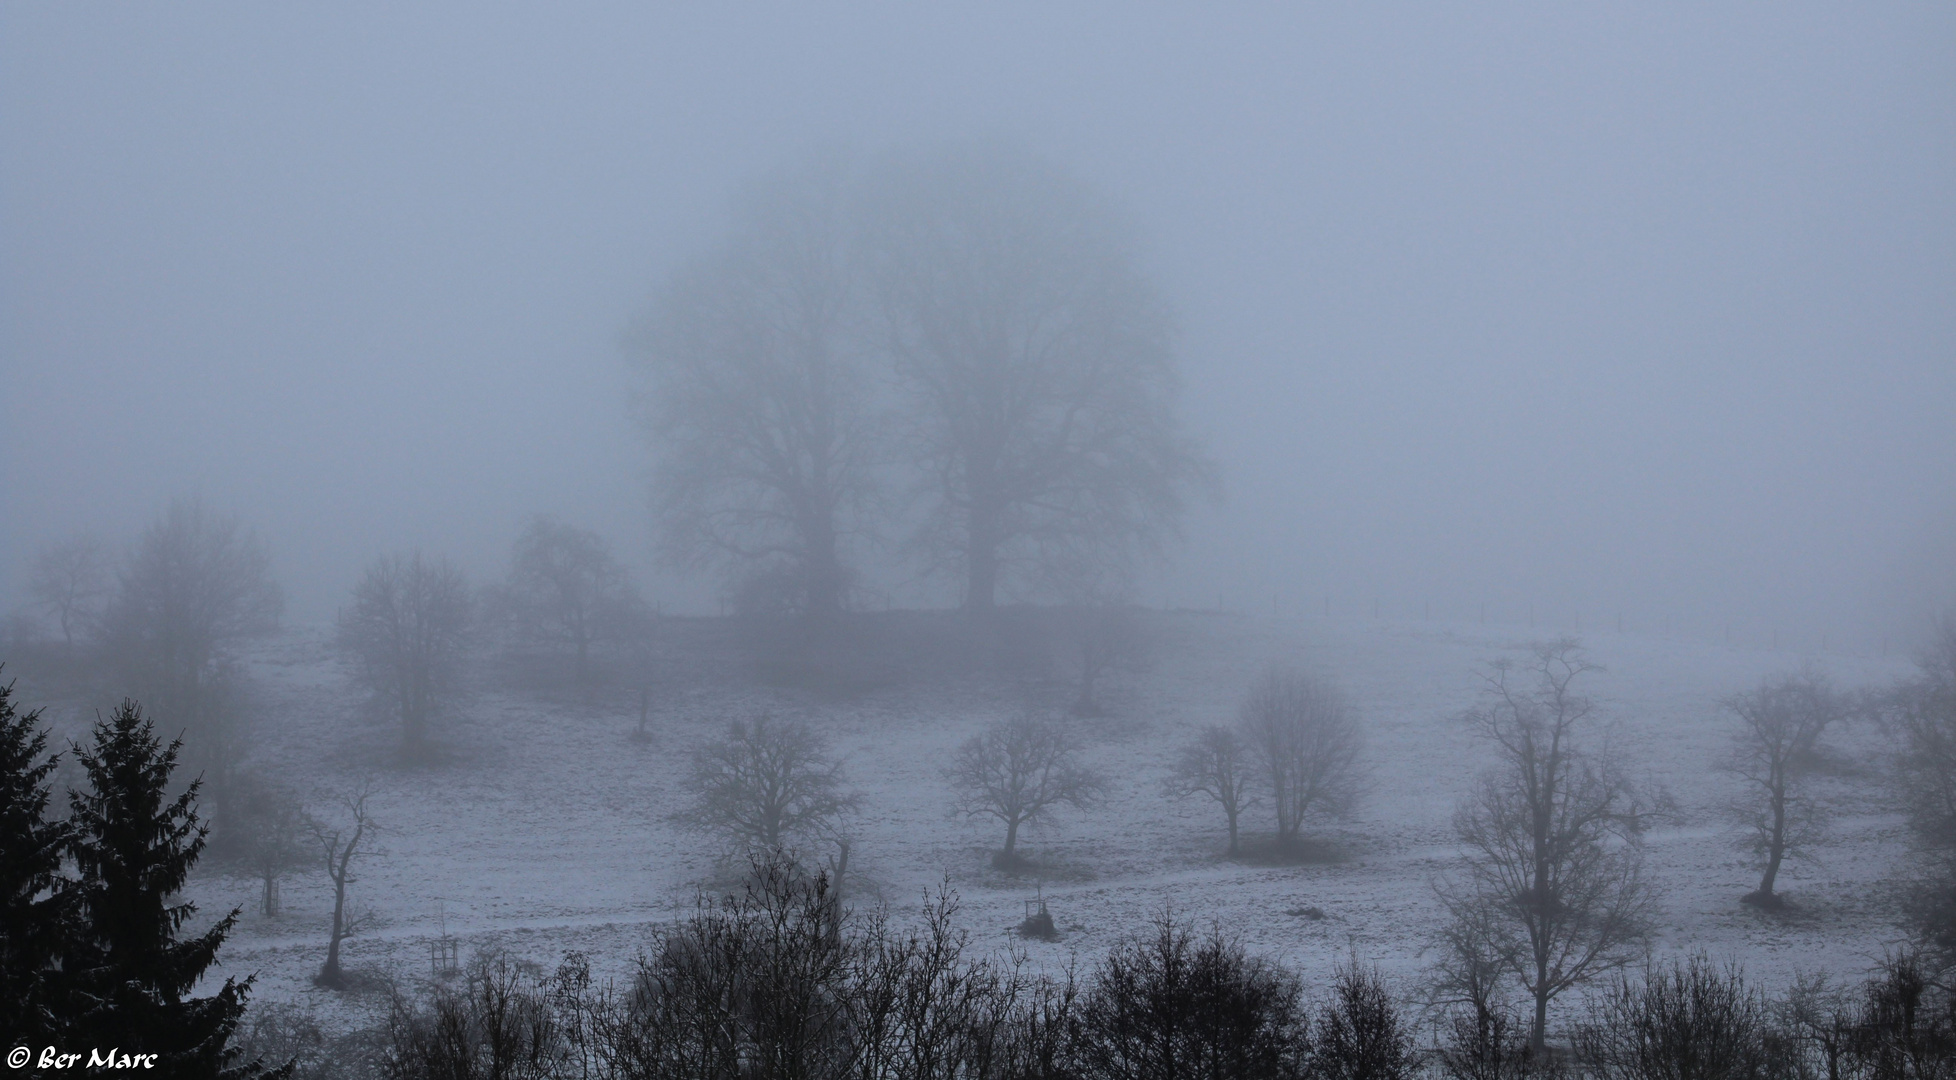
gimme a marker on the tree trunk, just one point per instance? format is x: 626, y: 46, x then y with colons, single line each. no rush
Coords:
x: 1233, y: 850
x: 1539, y: 904
x: 410, y: 723
x: 822, y: 577
x: 270, y: 904
x: 329, y: 974
x: 1011, y: 836
x: 1538, y: 1030
x: 981, y: 585
x: 835, y: 891
x: 1086, y: 706
x: 1775, y: 848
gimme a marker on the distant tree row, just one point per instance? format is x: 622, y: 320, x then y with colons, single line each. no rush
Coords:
x: 413, y: 617
x: 166, y: 624
x: 770, y: 784
x: 957, y: 354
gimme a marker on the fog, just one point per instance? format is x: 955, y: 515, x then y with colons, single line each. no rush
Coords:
x: 1572, y: 313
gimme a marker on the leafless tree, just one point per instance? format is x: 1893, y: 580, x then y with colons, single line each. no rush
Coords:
x: 1307, y: 742
x: 406, y: 632
x: 197, y: 585
x: 1020, y: 771
x: 1922, y: 711
x: 1215, y: 763
x: 770, y: 782
x: 1038, y: 364
x: 276, y: 835
x: 70, y: 582
x: 1553, y: 870
x: 1777, y: 743
x: 566, y: 589
x: 1483, y: 1036
x: 760, y: 407
x: 1100, y: 638
x: 339, y: 845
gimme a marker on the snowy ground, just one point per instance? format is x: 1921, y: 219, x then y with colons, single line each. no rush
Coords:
x: 549, y: 829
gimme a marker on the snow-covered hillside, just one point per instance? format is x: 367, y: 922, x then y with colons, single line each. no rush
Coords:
x: 548, y: 828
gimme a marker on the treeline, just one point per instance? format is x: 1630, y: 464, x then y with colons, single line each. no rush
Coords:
x: 777, y: 981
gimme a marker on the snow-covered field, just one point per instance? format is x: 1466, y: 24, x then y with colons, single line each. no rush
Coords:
x: 548, y: 829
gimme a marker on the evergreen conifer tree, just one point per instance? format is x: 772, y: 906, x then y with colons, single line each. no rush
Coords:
x: 32, y: 892
x: 130, y: 974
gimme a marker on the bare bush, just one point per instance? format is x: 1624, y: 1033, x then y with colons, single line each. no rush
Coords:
x: 406, y: 632
x: 769, y: 783
x: 1168, y: 1004
x: 284, y: 1033
x: 778, y: 980
x: 498, y: 1025
x: 1215, y: 763
x: 1489, y: 1043
x: 1357, y: 1033
x: 1906, y: 1025
x: 1687, y: 1020
x: 1020, y: 771
x: 1307, y: 741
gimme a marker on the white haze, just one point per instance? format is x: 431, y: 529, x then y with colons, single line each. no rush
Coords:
x: 1597, y: 309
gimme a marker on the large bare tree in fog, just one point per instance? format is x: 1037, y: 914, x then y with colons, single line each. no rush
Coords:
x: 406, y: 631
x: 196, y: 585
x: 1020, y: 771
x: 1037, y: 367
x: 768, y: 783
x: 566, y: 589
x: 1774, y: 749
x: 1307, y: 741
x: 1554, y: 888
x: 1215, y: 763
x: 760, y: 406
x: 70, y: 583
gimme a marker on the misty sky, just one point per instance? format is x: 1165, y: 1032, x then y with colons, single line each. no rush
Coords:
x: 1595, y: 308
